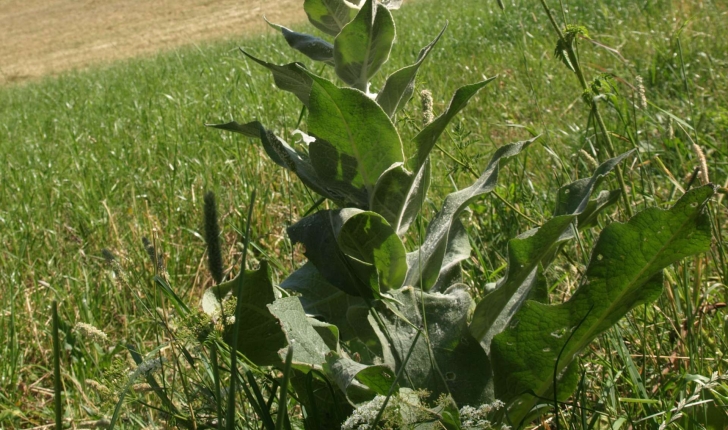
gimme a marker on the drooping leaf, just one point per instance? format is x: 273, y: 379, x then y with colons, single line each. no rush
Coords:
x: 309, y: 349
x: 625, y: 271
x: 358, y: 381
x: 329, y: 16
x: 455, y: 363
x: 363, y: 45
x: 297, y: 162
x: 367, y: 237
x: 398, y: 195
x: 355, y: 140
x: 354, y: 250
x: 261, y: 336
x: 400, y: 85
x: 313, y: 47
x: 425, y: 263
x: 531, y: 249
x: 289, y: 77
x: 426, y: 139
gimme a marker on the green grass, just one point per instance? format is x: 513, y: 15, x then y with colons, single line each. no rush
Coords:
x: 99, y: 159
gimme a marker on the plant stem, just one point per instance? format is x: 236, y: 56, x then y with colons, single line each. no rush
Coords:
x: 600, y: 121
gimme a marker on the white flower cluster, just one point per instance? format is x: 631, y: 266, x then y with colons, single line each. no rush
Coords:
x: 90, y: 332
x: 478, y: 417
x: 364, y: 415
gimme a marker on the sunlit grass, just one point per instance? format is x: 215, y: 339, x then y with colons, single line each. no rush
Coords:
x: 99, y: 159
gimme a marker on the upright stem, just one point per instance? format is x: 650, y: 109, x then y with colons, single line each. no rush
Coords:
x: 600, y: 121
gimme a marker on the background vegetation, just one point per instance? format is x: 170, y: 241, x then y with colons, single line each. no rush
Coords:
x: 100, y: 159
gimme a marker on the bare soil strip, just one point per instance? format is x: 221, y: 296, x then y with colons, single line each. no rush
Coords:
x: 46, y: 37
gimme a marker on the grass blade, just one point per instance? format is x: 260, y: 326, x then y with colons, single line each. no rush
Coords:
x: 57, y: 382
x: 282, y: 410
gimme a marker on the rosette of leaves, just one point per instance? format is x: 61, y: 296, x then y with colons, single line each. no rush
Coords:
x: 365, y: 315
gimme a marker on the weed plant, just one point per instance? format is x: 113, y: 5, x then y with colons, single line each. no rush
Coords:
x: 129, y: 137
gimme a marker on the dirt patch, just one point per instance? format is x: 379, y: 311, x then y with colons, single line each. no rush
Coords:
x: 45, y: 37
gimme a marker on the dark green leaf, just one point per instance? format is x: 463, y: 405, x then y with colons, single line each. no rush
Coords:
x: 355, y: 140
x: 625, y: 271
x: 313, y: 47
x: 289, y: 77
x: 364, y: 44
x: 260, y: 337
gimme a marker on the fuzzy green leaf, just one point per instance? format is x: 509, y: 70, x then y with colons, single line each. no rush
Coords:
x: 289, y: 77
x: 425, y: 263
x: 309, y: 348
x: 355, y: 251
x: 329, y: 16
x: 261, y: 335
x: 625, y: 271
x: 368, y: 238
x: 400, y: 85
x: 460, y: 365
x: 426, y: 139
x: 355, y: 140
x: 321, y: 299
x: 398, y: 195
x: 358, y: 381
x: 364, y: 44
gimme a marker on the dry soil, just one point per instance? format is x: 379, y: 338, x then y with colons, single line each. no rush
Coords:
x: 46, y: 37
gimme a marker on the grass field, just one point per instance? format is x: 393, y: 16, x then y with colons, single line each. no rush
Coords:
x: 100, y: 159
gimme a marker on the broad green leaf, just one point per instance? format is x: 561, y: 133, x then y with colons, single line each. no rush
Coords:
x: 355, y: 251
x: 425, y: 263
x: 426, y: 139
x: 313, y: 47
x: 289, y: 77
x: 355, y: 140
x: 360, y: 382
x: 329, y: 16
x: 260, y: 337
x: 460, y: 365
x: 531, y: 249
x: 400, y: 85
x: 363, y: 45
x: 588, y: 218
x: 398, y: 195
x: 367, y: 237
x: 309, y: 349
x: 321, y: 299
x: 625, y: 271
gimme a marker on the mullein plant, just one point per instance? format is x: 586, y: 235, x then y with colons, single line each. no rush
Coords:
x: 369, y: 331
x: 367, y: 321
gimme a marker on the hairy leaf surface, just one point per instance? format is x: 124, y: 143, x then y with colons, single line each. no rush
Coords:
x: 355, y: 140
x: 313, y: 47
x: 329, y: 16
x: 289, y: 77
x: 364, y: 44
